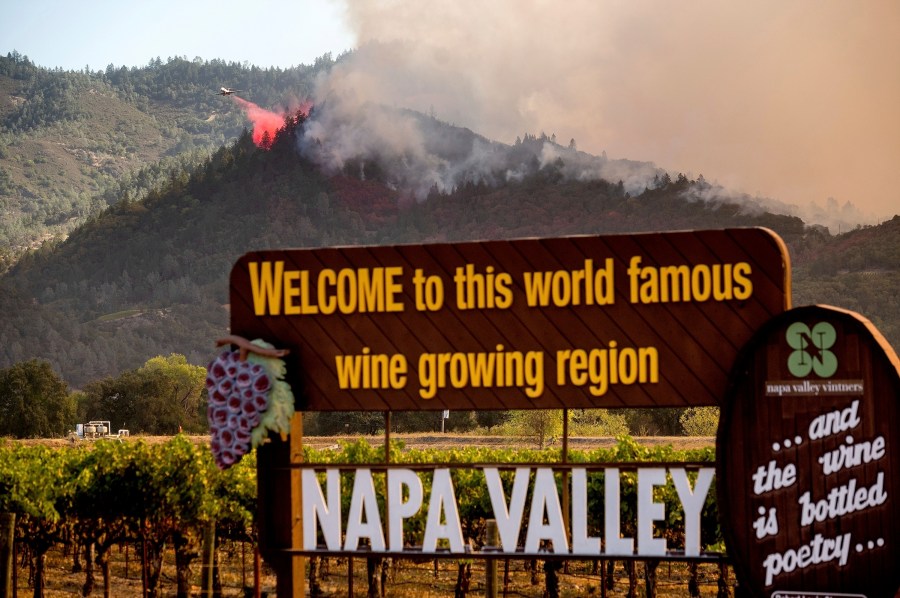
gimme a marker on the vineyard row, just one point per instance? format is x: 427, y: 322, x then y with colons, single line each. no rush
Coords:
x: 98, y: 496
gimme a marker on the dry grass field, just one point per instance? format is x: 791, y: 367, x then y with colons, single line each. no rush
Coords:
x: 437, y: 441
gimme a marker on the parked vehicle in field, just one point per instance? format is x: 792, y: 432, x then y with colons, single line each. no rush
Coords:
x: 96, y: 429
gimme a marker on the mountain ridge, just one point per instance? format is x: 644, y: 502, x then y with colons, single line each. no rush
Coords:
x: 147, y: 274
x: 71, y: 141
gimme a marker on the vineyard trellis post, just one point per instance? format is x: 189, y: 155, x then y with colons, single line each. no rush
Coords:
x: 492, y: 538
x: 7, y: 544
x: 208, y: 564
x: 257, y: 571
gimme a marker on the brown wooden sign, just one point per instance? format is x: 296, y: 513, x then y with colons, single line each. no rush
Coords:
x: 808, y: 455
x: 646, y: 320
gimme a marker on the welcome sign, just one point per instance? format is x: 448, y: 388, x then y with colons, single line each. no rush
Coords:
x: 806, y: 452
x: 646, y: 320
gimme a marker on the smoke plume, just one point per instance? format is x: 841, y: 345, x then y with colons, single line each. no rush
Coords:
x: 794, y: 100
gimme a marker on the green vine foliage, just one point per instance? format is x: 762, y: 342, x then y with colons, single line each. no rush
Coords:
x: 31, y: 480
x: 166, y: 493
x: 109, y: 492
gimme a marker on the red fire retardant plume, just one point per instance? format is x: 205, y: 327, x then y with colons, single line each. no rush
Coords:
x: 264, y: 121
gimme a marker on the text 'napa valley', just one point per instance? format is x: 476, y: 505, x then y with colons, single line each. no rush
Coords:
x: 365, y: 526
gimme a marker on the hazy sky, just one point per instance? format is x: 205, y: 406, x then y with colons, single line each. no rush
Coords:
x: 798, y: 100
x: 71, y: 34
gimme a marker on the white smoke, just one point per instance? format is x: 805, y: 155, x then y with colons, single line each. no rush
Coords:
x: 418, y: 153
x: 837, y: 218
x: 395, y: 144
x: 762, y: 96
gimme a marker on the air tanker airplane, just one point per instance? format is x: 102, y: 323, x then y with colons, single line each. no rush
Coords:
x: 227, y: 91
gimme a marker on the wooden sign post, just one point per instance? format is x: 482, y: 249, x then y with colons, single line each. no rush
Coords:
x: 7, y: 549
x: 808, y: 452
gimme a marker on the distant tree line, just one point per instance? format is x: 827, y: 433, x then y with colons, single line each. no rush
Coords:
x: 164, y: 396
x: 167, y: 395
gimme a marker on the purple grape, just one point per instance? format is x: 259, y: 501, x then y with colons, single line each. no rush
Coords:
x: 261, y: 401
x: 243, y: 378
x: 226, y: 438
x: 227, y: 457
x: 262, y: 383
x: 234, y: 421
x: 243, y: 424
x: 242, y: 437
x: 248, y: 407
x: 226, y: 386
x: 217, y: 370
x: 247, y: 396
x: 217, y: 398
x: 220, y: 417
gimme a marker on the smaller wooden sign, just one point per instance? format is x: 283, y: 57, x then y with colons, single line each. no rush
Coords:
x: 808, y: 454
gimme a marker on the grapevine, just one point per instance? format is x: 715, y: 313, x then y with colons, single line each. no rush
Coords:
x: 131, y: 492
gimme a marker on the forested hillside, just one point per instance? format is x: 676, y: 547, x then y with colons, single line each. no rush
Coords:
x: 73, y: 143
x: 858, y: 270
x: 148, y: 276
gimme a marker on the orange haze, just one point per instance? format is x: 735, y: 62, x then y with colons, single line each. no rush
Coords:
x: 798, y: 100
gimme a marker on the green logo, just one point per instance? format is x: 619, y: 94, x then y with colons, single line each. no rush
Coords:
x: 811, y: 352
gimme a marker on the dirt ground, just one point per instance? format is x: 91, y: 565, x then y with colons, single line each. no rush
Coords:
x: 236, y: 562
x: 409, y: 579
x: 404, y: 578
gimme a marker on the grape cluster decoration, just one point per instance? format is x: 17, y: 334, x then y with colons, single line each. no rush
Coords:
x: 247, y: 399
